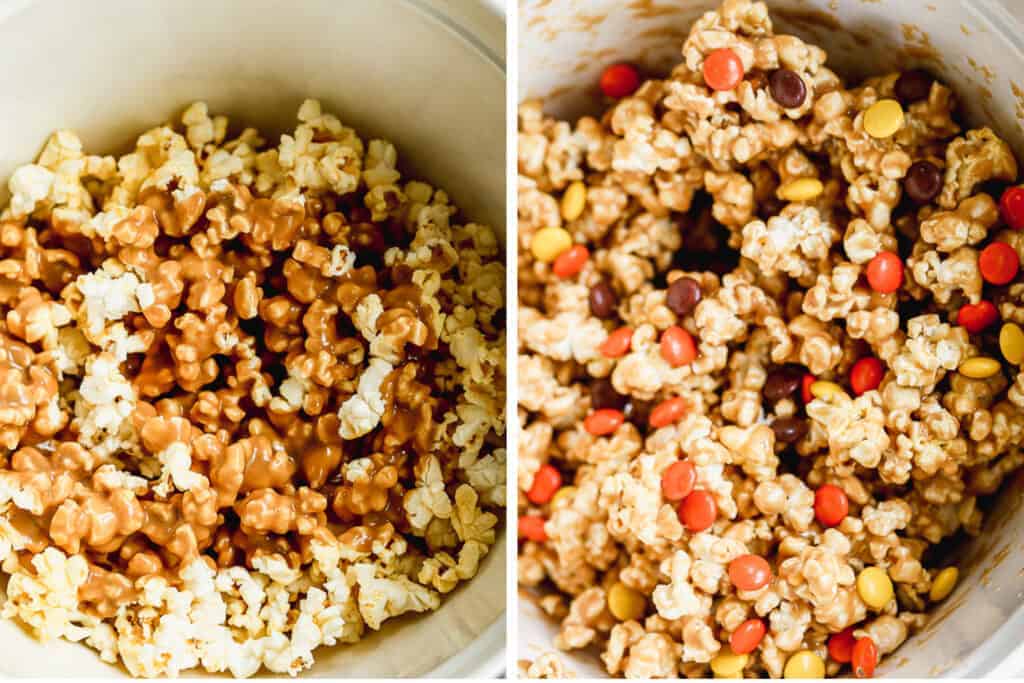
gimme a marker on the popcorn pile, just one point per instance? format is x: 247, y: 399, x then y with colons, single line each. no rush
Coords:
x: 251, y: 397
x: 769, y: 356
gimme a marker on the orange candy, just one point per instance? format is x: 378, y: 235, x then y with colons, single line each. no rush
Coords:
x: 747, y: 636
x: 830, y: 505
x: 617, y: 344
x: 864, y: 658
x: 750, y: 572
x: 723, y: 69
x: 603, y: 422
x: 571, y: 261
x: 531, y: 527
x: 546, y: 482
x: 885, y: 272
x: 668, y: 411
x: 677, y: 346
x: 698, y: 511
x: 678, y: 479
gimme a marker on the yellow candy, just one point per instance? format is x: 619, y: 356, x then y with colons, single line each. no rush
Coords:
x: 874, y: 587
x: 1011, y: 343
x: 563, y: 496
x: 804, y: 664
x: 944, y: 583
x: 548, y: 243
x: 824, y: 389
x: 979, y: 367
x: 728, y: 664
x: 573, y: 201
x: 883, y: 118
x: 800, y: 190
x: 625, y: 603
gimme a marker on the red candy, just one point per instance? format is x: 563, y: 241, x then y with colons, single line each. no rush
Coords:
x: 667, y: 412
x: 840, y: 646
x: 976, y: 317
x: 723, y: 69
x: 750, y: 572
x: 571, y: 261
x: 998, y: 263
x: 531, y: 527
x: 603, y: 422
x: 747, y: 636
x: 1011, y: 205
x: 620, y: 80
x: 866, y: 374
x: 545, y: 483
x: 885, y: 272
x: 864, y: 658
x: 698, y: 511
x: 805, y: 387
x: 677, y: 346
x: 830, y: 505
x: 617, y: 343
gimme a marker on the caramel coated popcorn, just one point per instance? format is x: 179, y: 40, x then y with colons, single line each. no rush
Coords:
x: 761, y: 380
x: 251, y: 396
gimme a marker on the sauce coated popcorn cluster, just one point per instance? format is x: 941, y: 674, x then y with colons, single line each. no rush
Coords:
x: 769, y: 358
x: 251, y: 397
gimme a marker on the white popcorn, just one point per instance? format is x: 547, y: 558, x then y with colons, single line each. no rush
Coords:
x: 360, y: 413
x: 176, y: 460
x: 428, y: 500
x: 107, y: 295
x: 342, y: 261
x: 29, y: 185
x: 381, y: 598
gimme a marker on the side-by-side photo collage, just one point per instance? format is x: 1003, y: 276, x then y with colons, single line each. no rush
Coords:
x: 512, y: 339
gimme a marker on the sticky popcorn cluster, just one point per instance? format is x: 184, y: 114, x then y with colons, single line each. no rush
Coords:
x: 758, y: 358
x: 251, y: 396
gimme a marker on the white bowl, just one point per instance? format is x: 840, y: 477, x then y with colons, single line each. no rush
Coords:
x: 974, y: 45
x: 427, y: 75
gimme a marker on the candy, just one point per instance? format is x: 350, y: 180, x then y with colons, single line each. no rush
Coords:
x: 883, y: 118
x: 548, y: 243
x: 573, y: 201
x: 1011, y: 343
x: 800, y: 190
x: 998, y: 263
x: 979, y: 367
x: 943, y: 584
x: 723, y: 69
x: 571, y: 261
x: 620, y: 80
x: 874, y: 587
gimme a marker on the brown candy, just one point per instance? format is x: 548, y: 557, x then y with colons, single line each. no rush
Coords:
x: 603, y: 300
x: 683, y: 295
x: 923, y: 182
x: 913, y: 86
x: 789, y: 429
x: 787, y: 88
x: 782, y: 382
x: 603, y: 395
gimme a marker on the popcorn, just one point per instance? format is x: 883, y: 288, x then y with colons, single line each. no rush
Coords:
x: 133, y: 355
x: 753, y: 217
x: 362, y: 412
x: 29, y: 185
